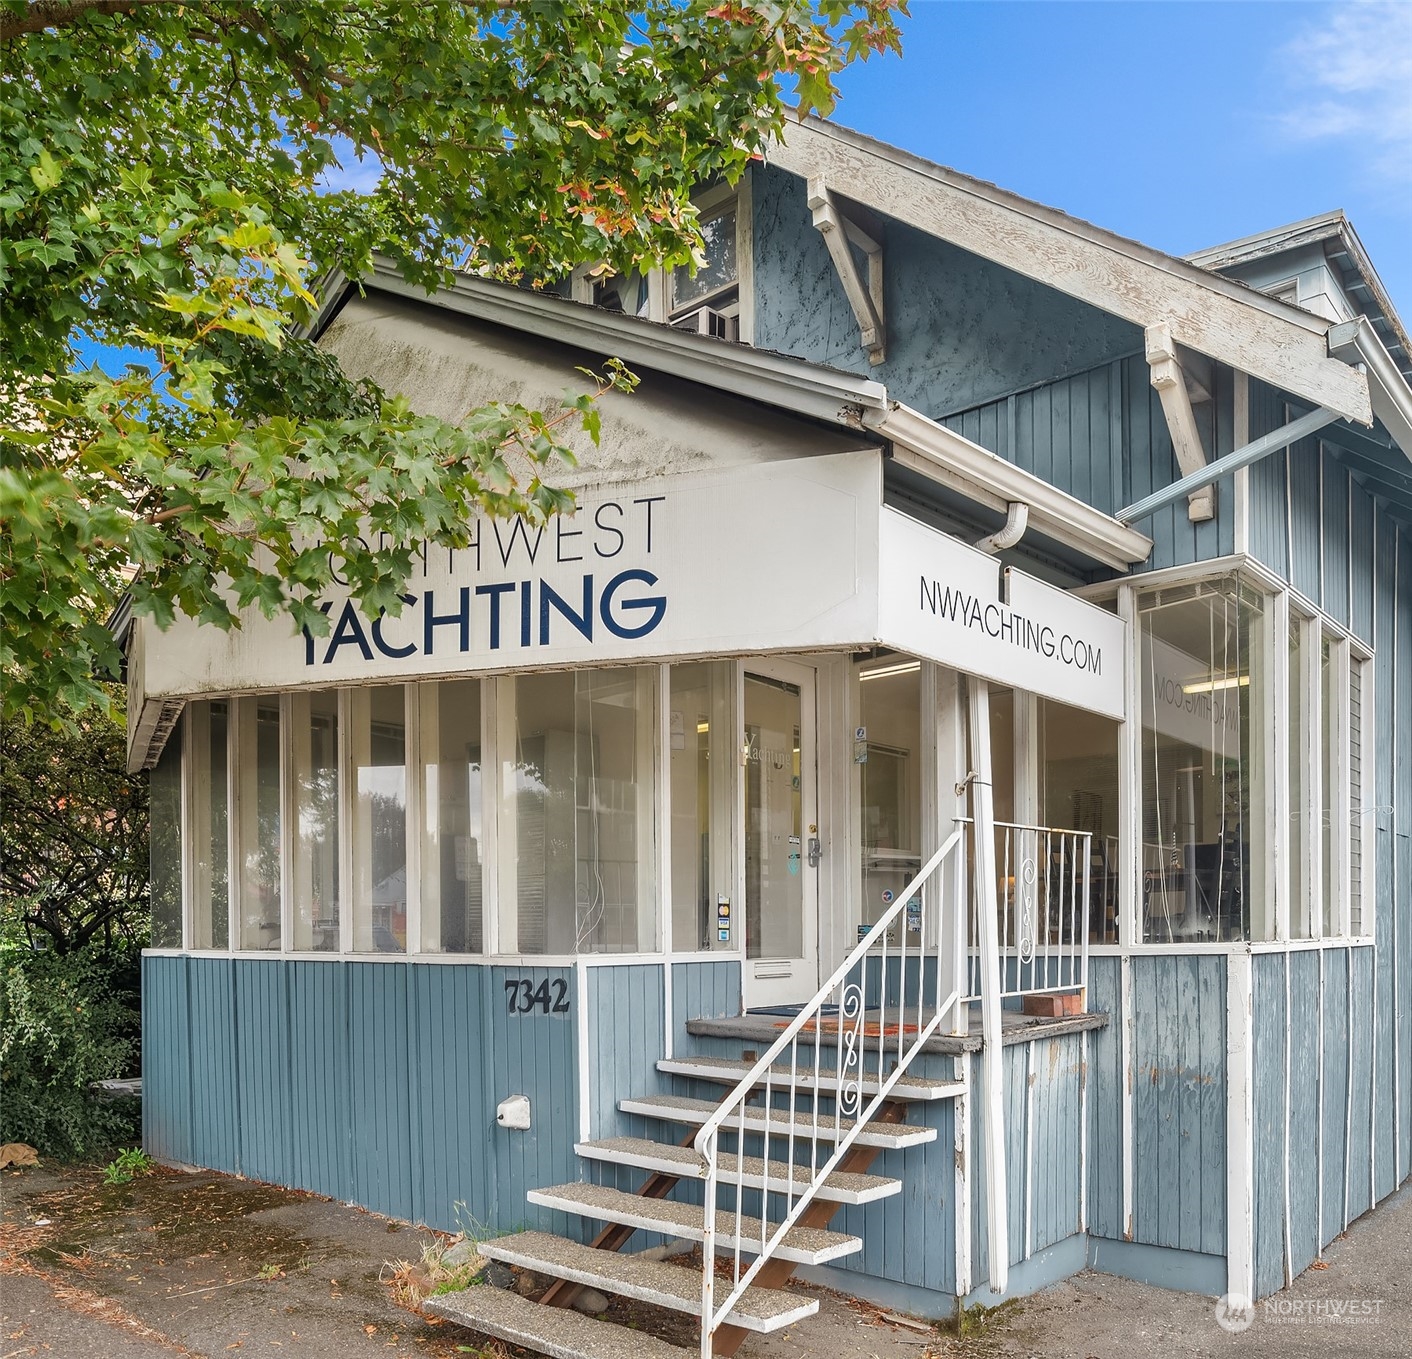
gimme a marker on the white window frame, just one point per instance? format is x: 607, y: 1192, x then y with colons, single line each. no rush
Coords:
x: 1283, y: 603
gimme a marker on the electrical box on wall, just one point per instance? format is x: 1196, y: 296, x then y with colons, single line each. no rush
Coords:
x: 514, y: 1113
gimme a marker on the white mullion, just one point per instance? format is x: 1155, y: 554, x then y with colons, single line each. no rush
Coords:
x: 287, y: 817
x: 1278, y: 840
x: 347, y: 790
x: 1340, y: 802
x: 413, y: 812
x: 1130, y: 780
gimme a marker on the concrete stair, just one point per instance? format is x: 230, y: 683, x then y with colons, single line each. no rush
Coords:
x: 630, y: 1276
x: 840, y: 1187
x: 550, y: 1327
x: 680, y: 1109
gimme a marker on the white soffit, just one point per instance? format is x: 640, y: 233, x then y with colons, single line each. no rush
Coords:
x: 1271, y: 340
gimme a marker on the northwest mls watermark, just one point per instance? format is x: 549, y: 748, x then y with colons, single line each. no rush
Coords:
x: 1236, y: 1313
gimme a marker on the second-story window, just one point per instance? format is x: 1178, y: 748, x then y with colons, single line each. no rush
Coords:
x: 708, y: 300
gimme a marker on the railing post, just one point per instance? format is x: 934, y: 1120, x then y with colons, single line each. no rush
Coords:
x: 708, y: 1250
x: 992, y: 1075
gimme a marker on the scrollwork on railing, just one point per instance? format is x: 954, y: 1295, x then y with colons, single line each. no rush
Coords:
x: 1025, y: 927
x: 851, y: 1012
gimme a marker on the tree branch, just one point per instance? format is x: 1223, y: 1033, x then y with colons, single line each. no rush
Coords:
x: 44, y: 14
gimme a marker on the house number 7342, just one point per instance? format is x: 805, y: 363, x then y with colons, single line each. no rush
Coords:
x: 523, y: 997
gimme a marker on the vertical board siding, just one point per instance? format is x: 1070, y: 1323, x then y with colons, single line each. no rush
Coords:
x: 1042, y: 1088
x: 1270, y: 1013
x: 166, y: 1061
x: 215, y: 1121
x: 1303, y: 1109
x: 1334, y: 1093
x: 262, y: 1069
x: 911, y: 1238
x: 370, y: 1082
x: 1106, y: 1151
x: 1179, y: 1101
x: 625, y: 1033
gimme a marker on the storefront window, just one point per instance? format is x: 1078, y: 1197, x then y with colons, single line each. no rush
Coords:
x: 378, y: 755
x: 314, y: 757
x: 164, y: 844
x: 701, y: 810
x: 453, y: 837
x: 208, y: 725
x: 1204, y: 695
x: 258, y: 821
x: 577, y: 830
x: 1355, y: 797
x: 1300, y: 917
x: 1078, y: 771
x: 890, y: 711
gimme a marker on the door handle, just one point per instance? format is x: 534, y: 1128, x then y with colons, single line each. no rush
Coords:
x: 816, y: 851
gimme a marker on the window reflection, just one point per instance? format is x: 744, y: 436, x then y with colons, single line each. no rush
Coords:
x: 1203, y: 683
x: 378, y: 737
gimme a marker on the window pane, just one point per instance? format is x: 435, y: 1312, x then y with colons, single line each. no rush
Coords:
x: 1300, y: 920
x: 1203, y: 692
x: 1355, y: 795
x: 578, y: 800
x: 774, y: 831
x: 1327, y: 778
x: 378, y: 729
x: 1078, y: 771
x: 258, y: 821
x: 719, y: 270
x: 164, y: 790
x: 314, y: 752
x: 210, y: 830
x: 700, y: 742
x: 890, y: 708
x: 453, y: 848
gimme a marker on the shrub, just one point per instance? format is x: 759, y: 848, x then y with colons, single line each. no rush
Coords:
x: 64, y: 1023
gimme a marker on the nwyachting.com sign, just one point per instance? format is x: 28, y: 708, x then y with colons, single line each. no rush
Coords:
x: 795, y: 555
x: 942, y: 599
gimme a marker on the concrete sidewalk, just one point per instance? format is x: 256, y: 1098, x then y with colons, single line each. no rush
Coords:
x: 208, y: 1265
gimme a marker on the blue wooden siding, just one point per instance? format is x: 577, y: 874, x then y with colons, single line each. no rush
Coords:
x: 960, y: 330
x: 370, y: 1082
x: 1179, y: 1101
x: 1107, y: 1151
x: 1313, y: 1034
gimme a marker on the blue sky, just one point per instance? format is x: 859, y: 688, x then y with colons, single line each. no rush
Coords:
x: 1180, y: 124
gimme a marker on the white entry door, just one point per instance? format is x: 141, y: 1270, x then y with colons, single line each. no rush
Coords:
x: 781, y: 834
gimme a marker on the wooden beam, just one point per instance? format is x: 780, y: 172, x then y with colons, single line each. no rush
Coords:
x: 840, y: 236
x: 1270, y: 340
x: 1170, y: 384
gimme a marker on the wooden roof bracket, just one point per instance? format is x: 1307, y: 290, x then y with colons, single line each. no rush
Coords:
x: 1177, y: 389
x: 865, y: 297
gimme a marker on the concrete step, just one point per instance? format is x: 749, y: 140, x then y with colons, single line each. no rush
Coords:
x: 555, y: 1331
x: 630, y: 1276
x: 840, y: 1187
x: 731, y: 1072
x: 803, y: 1245
x: 679, y: 1109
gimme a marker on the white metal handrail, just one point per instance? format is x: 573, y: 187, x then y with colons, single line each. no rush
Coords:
x: 1045, y: 901
x: 843, y: 1083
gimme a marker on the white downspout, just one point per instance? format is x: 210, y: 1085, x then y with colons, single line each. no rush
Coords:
x: 1017, y: 519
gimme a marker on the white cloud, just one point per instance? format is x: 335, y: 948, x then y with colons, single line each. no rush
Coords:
x: 1349, y: 73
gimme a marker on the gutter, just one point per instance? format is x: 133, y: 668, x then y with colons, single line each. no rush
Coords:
x: 1358, y: 344
x: 982, y: 476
